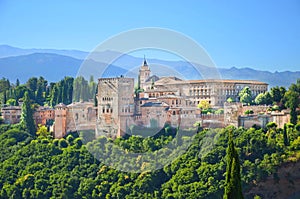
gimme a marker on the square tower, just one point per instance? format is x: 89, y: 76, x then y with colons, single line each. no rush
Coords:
x: 144, y: 74
x: 115, y: 105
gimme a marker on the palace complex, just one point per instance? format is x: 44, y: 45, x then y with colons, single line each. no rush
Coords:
x: 153, y: 103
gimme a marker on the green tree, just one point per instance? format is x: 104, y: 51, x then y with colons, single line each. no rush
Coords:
x: 42, y: 131
x: 31, y: 84
x: 41, y: 90
x: 20, y: 91
x: 95, y: 97
x: 11, y: 102
x: 67, y: 90
x: 285, y: 136
x: 263, y: 98
x: 4, y: 97
x: 39, y: 96
x: 81, y: 90
x: 204, y: 105
x: 4, y: 84
x: 271, y: 125
x: 277, y: 93
x: 27, y: 121
x: 245, y: 95
x: 292, y: 100
x: 233, y: 187
x: 268, y: 98
x: 230, y: 100
x: 248, y: 112
x: 92, y: 87
x: 18, y: 82
x: 54, y: 96
x: 260, y: 99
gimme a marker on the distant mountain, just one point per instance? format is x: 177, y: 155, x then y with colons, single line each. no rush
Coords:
x: 54, y: 66
x: 285, y: 78
x: 8, y: 51
x: 51, y: 66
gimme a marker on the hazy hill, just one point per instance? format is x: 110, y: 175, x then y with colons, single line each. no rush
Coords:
x: 51, y: 66
x: 55, y: 64
x: 273, y: 79
x: 8, y: 51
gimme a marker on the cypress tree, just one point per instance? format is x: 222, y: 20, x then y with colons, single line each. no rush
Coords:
x: 27, y: 121
x: 139, y: 82
x: 293, y: 115
x: 233, y: 187
x: 54, y: 96
x: 39, y: 96
x: 95, y: 97
x: 4, y: 97
x: 18, y: 82
x: 285, y: 136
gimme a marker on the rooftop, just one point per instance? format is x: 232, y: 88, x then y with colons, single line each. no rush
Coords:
x: 154, y: 104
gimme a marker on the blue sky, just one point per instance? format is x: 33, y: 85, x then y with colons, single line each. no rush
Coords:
x: 258, y: 34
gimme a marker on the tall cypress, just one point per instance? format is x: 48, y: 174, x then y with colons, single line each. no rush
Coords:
x: 27, y: 121
x: 233, y: 187
x: 54, y: 95
x: 285, y: 136
x: 4, y: 97
x: 95, y: 97
x: 18, y: 82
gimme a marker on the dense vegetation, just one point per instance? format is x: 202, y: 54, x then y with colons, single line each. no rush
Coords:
x: 40, y: 92
x: 43, y: 167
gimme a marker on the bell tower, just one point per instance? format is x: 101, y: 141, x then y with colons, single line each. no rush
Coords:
x: 144, y: 74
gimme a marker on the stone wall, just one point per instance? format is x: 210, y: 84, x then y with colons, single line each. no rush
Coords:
x: 115, y: 105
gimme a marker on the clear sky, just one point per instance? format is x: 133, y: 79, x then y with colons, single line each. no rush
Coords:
x: 243, y: 33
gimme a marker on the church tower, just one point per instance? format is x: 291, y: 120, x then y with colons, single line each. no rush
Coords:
x: 144, y: 74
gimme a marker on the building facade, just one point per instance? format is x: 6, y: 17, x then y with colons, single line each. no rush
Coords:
x: 78, y: 116
x: 44, y: 116
x: 116, y: 105
x: 11, y: 114
x: 157, y: 101
x: 216, y: 92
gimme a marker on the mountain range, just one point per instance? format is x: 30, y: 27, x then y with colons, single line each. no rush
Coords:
x: 55, y: 64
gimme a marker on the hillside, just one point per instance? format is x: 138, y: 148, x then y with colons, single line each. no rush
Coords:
x: 43, y: 167
x: 285, y: 183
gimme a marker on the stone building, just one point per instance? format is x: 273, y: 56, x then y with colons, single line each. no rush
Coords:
x: 234, y: 114
x: 11, y: 114
x: 216, y: 92
x: 161, y: 100
x: 60, y: 123
x: 144, y: 74
x: 77, y: 116
x: 157, y: 101
x: 116, y: 105
x: 154, y: 114
x: 44, y: 116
